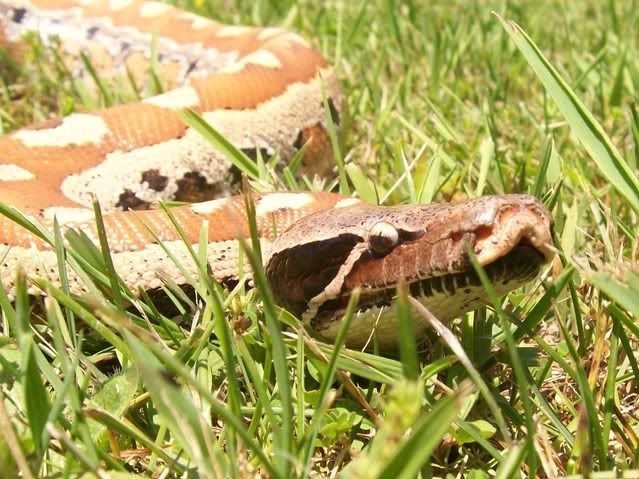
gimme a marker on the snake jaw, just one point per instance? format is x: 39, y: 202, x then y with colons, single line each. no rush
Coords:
x: 514, y: 225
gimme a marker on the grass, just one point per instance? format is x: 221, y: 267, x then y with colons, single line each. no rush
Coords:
x: 446, y: 101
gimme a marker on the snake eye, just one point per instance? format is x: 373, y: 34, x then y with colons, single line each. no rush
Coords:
x: 382, y: 238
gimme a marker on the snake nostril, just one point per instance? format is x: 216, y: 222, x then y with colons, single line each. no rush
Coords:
x: 483, y: 232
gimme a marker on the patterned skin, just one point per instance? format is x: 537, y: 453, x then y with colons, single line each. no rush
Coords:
x: 262, y: 89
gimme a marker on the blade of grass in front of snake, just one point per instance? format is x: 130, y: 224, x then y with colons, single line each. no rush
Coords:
x: 189, y: 277
x: 363, y: 364
x: 31, y: 226
x: 114, y: 278
x: 84, y: 315
x: 236, y: 156
x: 455, y: 346
x: 75, y: 260
x: 62, y: 274
x: 332, y: 133
x: 323, y: 399
x: 516, y: 362
x: 284, y: 434
x: 426, y: 434
x: 407, y: 343
x: 171, y: 333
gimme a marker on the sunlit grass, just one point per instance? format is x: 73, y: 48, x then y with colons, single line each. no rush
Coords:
x: 444, y: 102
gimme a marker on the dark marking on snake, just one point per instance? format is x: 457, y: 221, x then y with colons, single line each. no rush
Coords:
x: 17, y: 14
x: 91, y: 31
x: 194, y: 187
x: 252, y: 153
x: 155, y: 180
x: 129, y: 201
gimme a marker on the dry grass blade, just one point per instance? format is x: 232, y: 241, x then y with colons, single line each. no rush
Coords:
x: 455, y: 346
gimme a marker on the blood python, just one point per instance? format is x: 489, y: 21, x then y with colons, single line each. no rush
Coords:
x: 262, y: 88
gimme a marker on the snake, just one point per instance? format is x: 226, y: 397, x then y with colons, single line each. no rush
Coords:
x: 268, y: 91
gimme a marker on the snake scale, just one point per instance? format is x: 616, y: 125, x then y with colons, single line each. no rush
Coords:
x: 262, y: 89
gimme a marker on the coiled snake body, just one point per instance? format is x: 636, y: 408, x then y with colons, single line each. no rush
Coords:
x: 261, y: 87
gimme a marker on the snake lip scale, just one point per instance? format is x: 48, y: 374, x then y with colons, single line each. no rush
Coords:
x: 262, y: 89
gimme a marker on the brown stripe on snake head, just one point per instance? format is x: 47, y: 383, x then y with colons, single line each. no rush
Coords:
x: 300, y: 273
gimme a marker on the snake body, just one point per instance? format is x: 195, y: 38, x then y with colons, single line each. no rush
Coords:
x: 262, y: 88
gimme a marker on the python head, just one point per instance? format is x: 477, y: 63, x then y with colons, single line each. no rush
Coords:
x: 316, y: 264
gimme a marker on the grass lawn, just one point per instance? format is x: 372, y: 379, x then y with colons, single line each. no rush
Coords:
x: 446, y: 100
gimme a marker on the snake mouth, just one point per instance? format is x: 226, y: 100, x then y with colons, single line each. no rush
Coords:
x: 460, y: 291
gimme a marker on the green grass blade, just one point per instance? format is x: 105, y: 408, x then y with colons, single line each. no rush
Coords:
x: 234, y: 155
x: 329, y: 376
x: 106, y: 254
x: 179, y: 412
x: 622, y: 292
x: 429, y: 186
x: 455, y: 346
x: 409, y: 458
x: 509, y: 468
x: 337, y: 152
x: 582, y: 122
x: 518, y: 368
x: 486, y: 158
x: 407, y: 343
x: 37, y: 405
x: 546, y: 155
x: 363, y: 185
x: 284, y: 430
